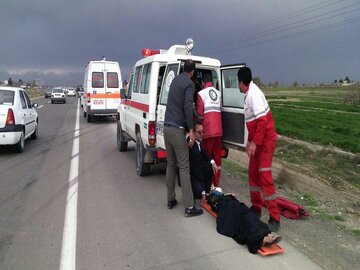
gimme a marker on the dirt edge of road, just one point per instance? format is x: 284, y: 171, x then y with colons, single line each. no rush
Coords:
x: 326, y: 236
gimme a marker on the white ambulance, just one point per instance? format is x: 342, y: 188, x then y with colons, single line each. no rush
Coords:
x: 102, y: 85
x: 142, y: 110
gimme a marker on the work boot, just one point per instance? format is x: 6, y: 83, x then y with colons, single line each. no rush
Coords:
x: 273, y: 225
x: 252, y: 209
x: 191, y: 212
x: 171, y: 204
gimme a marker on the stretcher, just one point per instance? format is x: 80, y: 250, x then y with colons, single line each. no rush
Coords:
x: 263, y: 251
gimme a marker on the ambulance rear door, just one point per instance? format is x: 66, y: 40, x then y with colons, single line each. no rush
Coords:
x: 232, y: 111
x: 172, y: 70
x: 112, y: 90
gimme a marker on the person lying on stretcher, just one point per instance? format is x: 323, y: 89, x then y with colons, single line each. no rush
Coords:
x: 236, y: 220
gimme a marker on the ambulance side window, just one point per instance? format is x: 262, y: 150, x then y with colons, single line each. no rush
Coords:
x: 231, y: 96
x: 136, y: 80
x: 144, y: 88
x: 170, y: 74
x: 130, y: 86
x: 97, y: 80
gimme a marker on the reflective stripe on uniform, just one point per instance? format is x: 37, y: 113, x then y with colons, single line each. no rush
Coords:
x: 271, y: 197
x: 211, y: 109
x: 265, y: 169
x: 252, y: 117
x: 255, y: 188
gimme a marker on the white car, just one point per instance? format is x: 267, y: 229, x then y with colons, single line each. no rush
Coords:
x: 58, y: 95
x: 71, y: 92
x: 18, y: 117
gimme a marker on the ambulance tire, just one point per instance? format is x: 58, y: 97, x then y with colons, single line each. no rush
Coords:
x: 142, y: 169
x: 122, y: 144
x: 88, y: 118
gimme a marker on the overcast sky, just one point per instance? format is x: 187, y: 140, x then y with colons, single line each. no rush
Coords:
x: 307, y: 41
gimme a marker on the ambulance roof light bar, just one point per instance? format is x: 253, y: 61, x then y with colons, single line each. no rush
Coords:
x: 149, y: 52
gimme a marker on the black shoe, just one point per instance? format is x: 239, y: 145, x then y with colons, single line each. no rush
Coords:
x: 191, y: 212
x: 171, y: 204
x: 274, y: 225
x: 252, y: 209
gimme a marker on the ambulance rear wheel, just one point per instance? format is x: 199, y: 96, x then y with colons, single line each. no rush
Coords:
x: 142, y: 168
x: 122, y: 144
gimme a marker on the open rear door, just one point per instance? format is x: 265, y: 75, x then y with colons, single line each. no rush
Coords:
x: 233, y: 119
x: 171, y: 71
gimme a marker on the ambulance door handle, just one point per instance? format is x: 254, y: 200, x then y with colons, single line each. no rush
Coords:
x: 144, y: 115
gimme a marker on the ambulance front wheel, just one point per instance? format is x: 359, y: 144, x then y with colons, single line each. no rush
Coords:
x: 122, y: 144
x: 142, y: 168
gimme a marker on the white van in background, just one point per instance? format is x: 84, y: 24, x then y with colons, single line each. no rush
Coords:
x: 102, y: 85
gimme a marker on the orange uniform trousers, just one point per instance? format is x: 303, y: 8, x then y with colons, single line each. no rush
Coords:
x: 213, y: 147
x: 262, y: 190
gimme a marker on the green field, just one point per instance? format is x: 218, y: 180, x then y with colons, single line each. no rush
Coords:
x: 322, y: 115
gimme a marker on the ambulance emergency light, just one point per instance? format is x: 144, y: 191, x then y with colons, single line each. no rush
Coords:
x: 175, y: 49
x: 149, y: 52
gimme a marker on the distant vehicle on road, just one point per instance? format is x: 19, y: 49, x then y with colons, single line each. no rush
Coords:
x: 18, y: 117
x: 71, y: 92
x: 58, y: 95
x: 102, y: 84
x: 48, y: 93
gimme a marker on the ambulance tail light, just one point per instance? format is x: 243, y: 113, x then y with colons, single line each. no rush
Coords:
x: 152, y: 132
x: 88, y: 97
x: 149, y: 52
x: 10, y: 118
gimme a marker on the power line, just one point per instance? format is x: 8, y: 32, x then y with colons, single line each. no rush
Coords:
x: 297, y: 34
x: 294, y: 25
x: 273, y: 21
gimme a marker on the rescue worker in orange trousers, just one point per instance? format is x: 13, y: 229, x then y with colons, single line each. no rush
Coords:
x: 208, y: 108
x: 260, y: 148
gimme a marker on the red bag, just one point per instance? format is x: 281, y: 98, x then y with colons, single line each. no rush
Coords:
x: 290, y: 209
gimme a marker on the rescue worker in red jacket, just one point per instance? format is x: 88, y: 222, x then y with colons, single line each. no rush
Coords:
x: 208, y: 108
x: 260, y: 147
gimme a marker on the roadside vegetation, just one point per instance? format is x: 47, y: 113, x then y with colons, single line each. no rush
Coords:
x: 35, y: 92
x: 323, y: 115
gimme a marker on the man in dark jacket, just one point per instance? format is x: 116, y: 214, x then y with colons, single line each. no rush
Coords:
x: 236, y: 220
x: 179, y: 119
x: 202, y: 166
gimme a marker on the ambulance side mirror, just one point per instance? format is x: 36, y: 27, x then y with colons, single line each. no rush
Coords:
x: 123, y: 93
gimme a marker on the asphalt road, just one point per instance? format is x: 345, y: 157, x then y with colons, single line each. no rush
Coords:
x: 72, y: 201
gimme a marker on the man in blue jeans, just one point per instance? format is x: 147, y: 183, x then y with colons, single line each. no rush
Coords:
x: 179, y: 119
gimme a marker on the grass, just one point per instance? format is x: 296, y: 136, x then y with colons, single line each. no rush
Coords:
x: 326, y: 216
x: 32, y: 92
x: 234, y: 169
x: 322, y: 115
x: 356, y: 232
x: 306, y: 200
x: 337, y: 169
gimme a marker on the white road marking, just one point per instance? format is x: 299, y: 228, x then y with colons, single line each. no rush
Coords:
x: 40, y: 106
x: 68, y: 251
x: 49, y: 102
